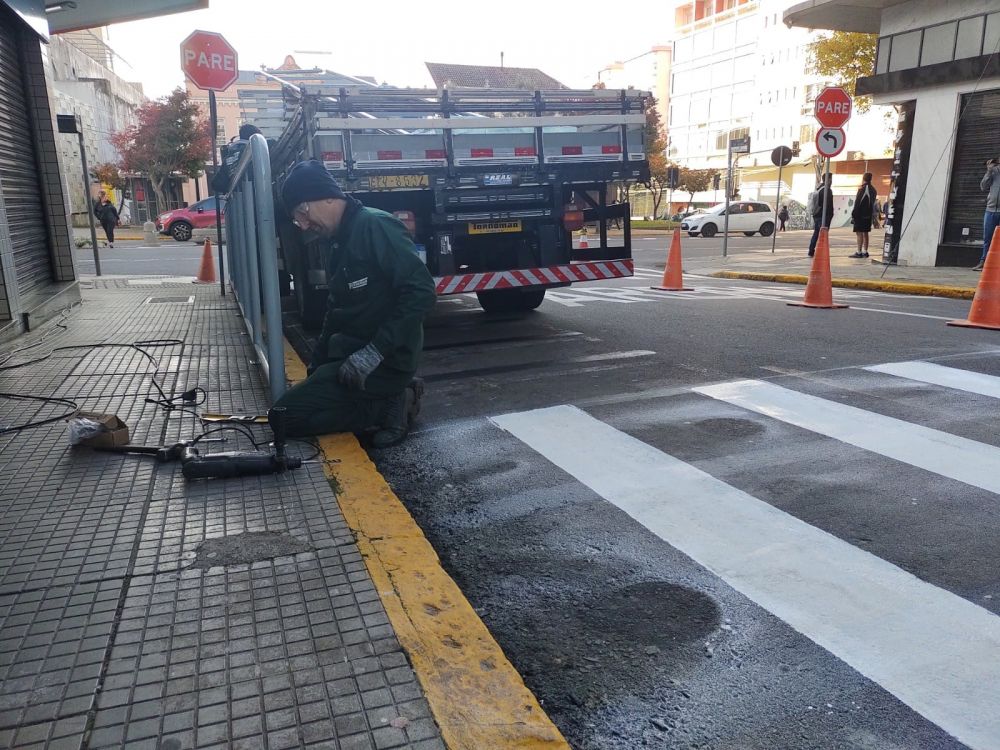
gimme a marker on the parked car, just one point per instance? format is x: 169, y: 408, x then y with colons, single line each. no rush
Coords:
x: 181, y: 223
x: 744, y: 216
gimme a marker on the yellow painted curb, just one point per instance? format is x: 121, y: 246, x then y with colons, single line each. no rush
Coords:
x: 477, y: 697
x: 895, y: 287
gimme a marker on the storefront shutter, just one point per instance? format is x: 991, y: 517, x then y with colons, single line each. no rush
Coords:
x: 975, y: 142
x: 19, y: 173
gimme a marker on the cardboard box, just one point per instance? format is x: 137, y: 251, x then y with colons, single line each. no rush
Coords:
x: 116, y: 433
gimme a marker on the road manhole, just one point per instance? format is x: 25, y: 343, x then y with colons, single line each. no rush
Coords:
x: 250, y: 547
x: 187, y: 300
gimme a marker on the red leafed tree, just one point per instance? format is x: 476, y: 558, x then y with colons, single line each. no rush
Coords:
x: 169, y: 137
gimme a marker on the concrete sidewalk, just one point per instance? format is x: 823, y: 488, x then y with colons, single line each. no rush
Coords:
x: 793, y: 265
x: 138, y: 610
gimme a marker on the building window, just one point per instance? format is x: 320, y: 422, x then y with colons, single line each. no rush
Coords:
x: 970, y: 36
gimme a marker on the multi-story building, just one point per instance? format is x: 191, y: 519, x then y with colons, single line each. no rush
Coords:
x: 649, y: 71
x: 737, y: 71
x: 85, y: 83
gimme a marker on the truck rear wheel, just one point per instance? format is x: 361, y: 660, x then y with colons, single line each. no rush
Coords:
x: 510, y: 300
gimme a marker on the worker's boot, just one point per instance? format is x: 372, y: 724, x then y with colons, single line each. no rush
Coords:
x: 399, y: 415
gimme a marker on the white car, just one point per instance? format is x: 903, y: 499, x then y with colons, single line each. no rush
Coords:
x: 744, y: 216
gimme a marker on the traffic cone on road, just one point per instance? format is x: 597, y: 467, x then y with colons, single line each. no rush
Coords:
x: 584, y: 245
x: 206, y: 274
x: 985, y: 310
x: 819, y: 289
x: 673, y: 273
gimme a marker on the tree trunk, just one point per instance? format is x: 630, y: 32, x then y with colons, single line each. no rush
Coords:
x: 156, y: 182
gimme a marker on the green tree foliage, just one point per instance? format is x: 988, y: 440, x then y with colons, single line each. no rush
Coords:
x: 844, y: 57
x: 656, y: 154
x: 169, y: 137
x: 695, y: 181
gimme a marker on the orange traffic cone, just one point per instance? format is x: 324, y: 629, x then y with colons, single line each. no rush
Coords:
x: 819, y: 290
x: 673, y: 273
x: 584, y: 245
x: 985, y: 311
x: 206, y: 274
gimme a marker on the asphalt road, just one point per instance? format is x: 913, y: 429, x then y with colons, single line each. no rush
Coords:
x: 169, y: 258
x: 136, y: 258
x: 806, y: 560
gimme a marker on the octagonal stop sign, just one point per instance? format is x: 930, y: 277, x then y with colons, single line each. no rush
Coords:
x: 209, y: 61
x: 833, y: 107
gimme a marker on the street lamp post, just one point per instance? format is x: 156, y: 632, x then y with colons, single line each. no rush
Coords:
x: 71, y: 124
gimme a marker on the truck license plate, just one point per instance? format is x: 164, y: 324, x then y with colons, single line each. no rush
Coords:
x: 497, y: 180
x: 398, y: 181
x: 494, y: 227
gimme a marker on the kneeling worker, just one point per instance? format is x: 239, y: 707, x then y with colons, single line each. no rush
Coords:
x: 361, y: 374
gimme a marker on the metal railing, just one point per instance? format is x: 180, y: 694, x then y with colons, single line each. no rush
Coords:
x: 252, y: 252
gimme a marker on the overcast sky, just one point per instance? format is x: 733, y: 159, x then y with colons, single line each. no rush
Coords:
x: 391, y: 39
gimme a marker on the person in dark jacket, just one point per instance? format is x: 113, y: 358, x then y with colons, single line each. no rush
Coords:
x: 863, y: 214
x: 824, y: 198
x: 361, y: 377
x: 107, y: 214
x: 783, y: 218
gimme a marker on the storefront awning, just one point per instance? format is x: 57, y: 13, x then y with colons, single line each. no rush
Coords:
x: 839, y: 15
x: 86, y: 14
x: 57, y: 16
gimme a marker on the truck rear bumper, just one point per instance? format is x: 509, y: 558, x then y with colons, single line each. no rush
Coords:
x: 560, y: 275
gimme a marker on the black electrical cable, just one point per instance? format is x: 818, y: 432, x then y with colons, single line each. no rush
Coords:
x: 74, y: 408
x: 165, y: 402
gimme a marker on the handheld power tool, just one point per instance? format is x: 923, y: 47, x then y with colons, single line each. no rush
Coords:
x: 194, y: 465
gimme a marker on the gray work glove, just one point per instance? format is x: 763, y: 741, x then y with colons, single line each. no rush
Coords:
x: 356, y: 368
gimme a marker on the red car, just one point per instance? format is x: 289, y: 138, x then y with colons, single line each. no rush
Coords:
x: 181, y: 223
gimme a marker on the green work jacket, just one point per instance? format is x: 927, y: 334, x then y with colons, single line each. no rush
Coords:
x: 380, y: 290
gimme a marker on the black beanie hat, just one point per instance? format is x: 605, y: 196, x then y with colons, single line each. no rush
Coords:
x: 308, y: 181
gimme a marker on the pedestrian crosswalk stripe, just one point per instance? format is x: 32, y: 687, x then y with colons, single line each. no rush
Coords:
x: 939, y: 452
x: 935, y: 651
x: 948, y: 377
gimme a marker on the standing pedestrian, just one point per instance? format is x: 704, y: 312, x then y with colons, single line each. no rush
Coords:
x: 361, y: 373
x: 823, y: 196
x: 783, y: 217
x: 107, y: 214
x: 863, y: 213
x: 991, y: 219
x: 877, y: 214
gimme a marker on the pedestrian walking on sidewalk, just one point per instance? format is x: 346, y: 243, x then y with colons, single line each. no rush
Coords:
x: 817, y: 200
x: 991, y: 219
x: 782, y: 217
x: 361, y: 377
x: 107, y: 214
x: 863, y: 214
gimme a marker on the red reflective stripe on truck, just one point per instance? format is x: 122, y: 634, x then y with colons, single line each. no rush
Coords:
x: 524, y: 277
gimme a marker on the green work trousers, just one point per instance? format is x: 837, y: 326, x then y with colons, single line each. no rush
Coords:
x: 320, y: 405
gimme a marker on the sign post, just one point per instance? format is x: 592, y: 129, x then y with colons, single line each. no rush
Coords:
x: 833, y: 110
x: 736, y: 146
x: 210, y: 63
x: 781, y: 157
x: 73, y: 124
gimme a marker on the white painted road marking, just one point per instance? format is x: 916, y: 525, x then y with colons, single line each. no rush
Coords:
x: 939, y: 452
x: 948, y: 377
x: 935, y: 651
